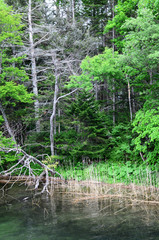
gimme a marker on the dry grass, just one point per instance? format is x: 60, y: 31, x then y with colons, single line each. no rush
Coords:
x: 90, y: 190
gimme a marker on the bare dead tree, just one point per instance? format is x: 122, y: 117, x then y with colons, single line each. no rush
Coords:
x: 129, y: 98
x: 52, y: 118
x: 33, y: 66
x: 7, y: 123
x: 113, y: 46
x: 54, y: 103
x: 73, y: 12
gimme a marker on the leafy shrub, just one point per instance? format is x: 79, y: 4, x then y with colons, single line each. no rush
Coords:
x: 9, y: 157
x: 146, y: 127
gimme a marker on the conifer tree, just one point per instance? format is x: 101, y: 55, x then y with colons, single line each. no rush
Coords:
x: 122, y: 11
x: 85, y: 130
x: 12, y: 75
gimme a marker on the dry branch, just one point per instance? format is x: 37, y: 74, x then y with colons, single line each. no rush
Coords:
x: 24, y: 164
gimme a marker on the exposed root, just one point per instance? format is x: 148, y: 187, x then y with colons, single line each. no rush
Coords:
x: 23, y: 166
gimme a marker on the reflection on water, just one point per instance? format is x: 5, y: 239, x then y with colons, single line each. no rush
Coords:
x: 60, y: 217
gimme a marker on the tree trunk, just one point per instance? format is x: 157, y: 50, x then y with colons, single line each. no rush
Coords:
x: 96, y: 90
x: 52, y: 118
x: 7, y: 123
x: 57, y: 9
x: 59, y: 125
x: 33, y: 67
x: 73, y: 12
x: 113, y: 46
x: 129, y: 98
x: 114, y: 102
x: 151, y: 78
x: 133, y: 100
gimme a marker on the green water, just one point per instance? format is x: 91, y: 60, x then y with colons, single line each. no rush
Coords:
x: 26, y: 217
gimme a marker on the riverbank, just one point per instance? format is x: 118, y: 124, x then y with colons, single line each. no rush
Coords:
x: 89, y: 189
x: 132, y: 182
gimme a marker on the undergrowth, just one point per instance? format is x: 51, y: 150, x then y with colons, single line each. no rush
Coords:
x: 112, y: 172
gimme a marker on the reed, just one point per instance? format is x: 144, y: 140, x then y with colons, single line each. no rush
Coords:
x: 135, y: 184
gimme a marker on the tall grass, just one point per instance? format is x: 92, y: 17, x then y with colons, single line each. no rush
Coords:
x: 115, y: 172
x: 135, y: 183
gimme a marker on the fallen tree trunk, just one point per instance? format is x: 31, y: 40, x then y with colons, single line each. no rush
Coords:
x: 24, y: 165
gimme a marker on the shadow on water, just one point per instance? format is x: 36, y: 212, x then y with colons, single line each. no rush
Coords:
x: 72, y: 216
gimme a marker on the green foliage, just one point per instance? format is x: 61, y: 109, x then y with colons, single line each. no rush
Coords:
x: 96, y: 69
x: 11, y: 93
x: 1, y: 120
x: 86, y: 134
x: 123, y: 10
x: 11, y: 75
x: 112, y: 172
x: 51, y: 161
x: 142, y: 41
x: 10, y: 26
x: 95, y: 11
x: 120, y: 148
x: 9, y: 157
x: 140, y: 61
x: 37, y: 142
x: 146, y: 127
x: 140, y: 55
x: 151, y: 4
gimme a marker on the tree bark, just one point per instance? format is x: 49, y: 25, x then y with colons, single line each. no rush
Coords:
x: 96, y: 90
x: 33, y: 67
x: 57, y: 9
x: 129, y: 99
x: 73, y: 12
x: 133, y: 100
x: 7, y: 123
x: 52, y: 118
x: 113, y: 46
x: 151, y: 78
x: 59, y: 125
x: 114, y: 102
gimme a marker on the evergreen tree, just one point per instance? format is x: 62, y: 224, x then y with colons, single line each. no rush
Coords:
x: 12, y: 75
x: 84, y: 130
x: 123, y: 11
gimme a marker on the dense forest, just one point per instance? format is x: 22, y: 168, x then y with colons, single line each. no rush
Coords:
x: 79, y: 81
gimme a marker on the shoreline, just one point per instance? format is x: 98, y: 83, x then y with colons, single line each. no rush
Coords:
x: 90, y: 190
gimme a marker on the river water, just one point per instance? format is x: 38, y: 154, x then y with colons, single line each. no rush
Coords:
x: 66, y: 216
